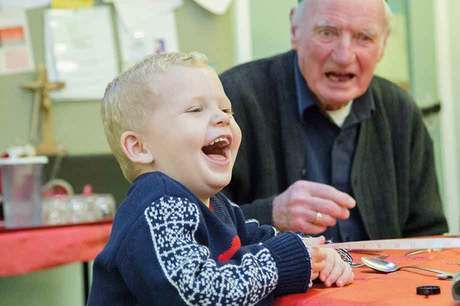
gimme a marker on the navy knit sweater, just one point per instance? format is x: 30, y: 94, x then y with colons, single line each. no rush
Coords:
x: 168, y: 248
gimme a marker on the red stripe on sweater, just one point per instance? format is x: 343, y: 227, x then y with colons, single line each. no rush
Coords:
x: 234, y: 247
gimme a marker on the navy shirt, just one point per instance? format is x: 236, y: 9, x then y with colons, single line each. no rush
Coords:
x: 330, y: 150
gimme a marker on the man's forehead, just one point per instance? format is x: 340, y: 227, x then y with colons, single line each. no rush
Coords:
x: 313, y: 3
x: 340, y: 13
x: 353, y: 8
x: 355, y: 24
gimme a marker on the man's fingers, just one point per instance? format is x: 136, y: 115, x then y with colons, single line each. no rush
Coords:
x: 310, y: 228
x: 327, y: 208
x: 320, y: 218
x: 327, y: 192
x: 310, y: 207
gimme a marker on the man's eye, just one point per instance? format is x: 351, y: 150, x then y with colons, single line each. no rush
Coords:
x: 364, y: 37
x: 326, y: 33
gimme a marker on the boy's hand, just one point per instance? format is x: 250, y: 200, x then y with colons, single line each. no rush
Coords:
x: 327, y: 264
x: 318, y: 262
x: 335, y: 270
x: 317, y: 257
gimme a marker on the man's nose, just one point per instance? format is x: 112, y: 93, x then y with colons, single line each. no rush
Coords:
x: 220, y: 118
x: 343, y: 53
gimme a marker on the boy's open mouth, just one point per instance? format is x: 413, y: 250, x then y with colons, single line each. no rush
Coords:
x: 217, y: 148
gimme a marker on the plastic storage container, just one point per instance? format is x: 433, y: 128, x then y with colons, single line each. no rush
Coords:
x: 21, y: 185
x: 62, y: 209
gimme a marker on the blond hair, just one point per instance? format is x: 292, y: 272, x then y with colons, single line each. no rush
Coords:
x: 128, y: 100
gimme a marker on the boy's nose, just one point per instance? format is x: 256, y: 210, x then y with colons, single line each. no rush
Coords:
x: 220, y: 118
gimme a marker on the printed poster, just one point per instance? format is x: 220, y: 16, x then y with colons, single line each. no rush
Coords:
x: 15, y: 45
x: 145, y: 27
x: 23, y: 4
x: 80, y: 51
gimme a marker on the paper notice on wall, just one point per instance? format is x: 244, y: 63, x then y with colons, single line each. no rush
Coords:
x: 145, y: 31
x: 71, y: 4
x: 15, y: 45
x: 24, y: 4
x: 136, y: 13
x: 80, y: 51
x: 218, y: 7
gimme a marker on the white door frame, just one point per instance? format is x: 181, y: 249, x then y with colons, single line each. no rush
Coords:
x: 242, y: 34
x: 447, y: 116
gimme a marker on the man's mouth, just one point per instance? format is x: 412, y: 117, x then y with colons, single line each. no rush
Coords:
x: 340, y: 77
x: 218, y: 147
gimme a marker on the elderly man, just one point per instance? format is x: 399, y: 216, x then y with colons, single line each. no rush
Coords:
x: 320, y: 130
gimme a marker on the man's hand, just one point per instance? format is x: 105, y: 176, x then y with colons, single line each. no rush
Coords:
x: 310, y: 207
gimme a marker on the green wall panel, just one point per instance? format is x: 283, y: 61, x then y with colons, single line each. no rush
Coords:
x: 77, y: 124
x: 270, y: 28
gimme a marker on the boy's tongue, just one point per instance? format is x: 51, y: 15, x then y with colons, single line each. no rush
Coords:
x: 215, y: 151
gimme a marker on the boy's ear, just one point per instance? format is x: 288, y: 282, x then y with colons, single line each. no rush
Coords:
x: 134, y: 148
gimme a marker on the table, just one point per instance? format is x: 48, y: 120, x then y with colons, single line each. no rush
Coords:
x: 27, y: 250
x: 379, y: 289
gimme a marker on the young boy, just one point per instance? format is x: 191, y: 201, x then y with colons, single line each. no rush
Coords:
x: 175, y: 239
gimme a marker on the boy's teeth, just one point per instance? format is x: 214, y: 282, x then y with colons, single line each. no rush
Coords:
x: 217, y: 140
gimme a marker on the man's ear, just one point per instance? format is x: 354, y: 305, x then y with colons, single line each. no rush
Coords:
x: 384, y: 46
x: 291, y: 14
x: 293, y: 28
x: 134, y: 148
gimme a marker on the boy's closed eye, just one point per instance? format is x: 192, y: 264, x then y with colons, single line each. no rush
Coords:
x: 198, y: 108
x: 195, y: 109
x: 228, y: 111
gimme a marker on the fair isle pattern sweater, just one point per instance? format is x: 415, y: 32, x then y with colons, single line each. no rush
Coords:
x: 173, y: 223
x: 167, y: 248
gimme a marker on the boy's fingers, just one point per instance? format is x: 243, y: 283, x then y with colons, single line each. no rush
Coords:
x: 346, y: 277
x: 317, y: 254
x: 317, y: 240
x: 328, y: 266
x: 336, y: 272
x: 317, y: 266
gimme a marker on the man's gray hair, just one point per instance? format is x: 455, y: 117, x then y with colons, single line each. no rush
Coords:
x: 301, y: 9
x: 128, y: 99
